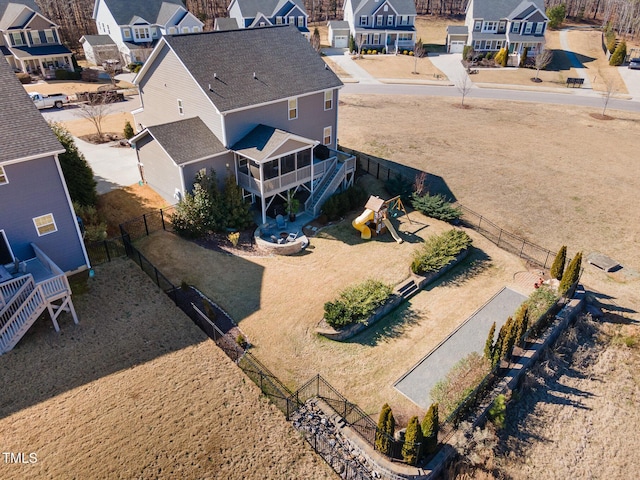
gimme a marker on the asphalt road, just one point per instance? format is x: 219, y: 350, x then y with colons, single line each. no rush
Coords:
x: 573, y: 97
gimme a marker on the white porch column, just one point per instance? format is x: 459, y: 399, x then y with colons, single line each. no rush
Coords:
x: 312, y: 174
x: 262, y: 200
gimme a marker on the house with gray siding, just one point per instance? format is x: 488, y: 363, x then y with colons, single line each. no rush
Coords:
x: 387, y: 25
x: 136, y: 27
x: 29, y: 41
x: 40, y: 240
x: 267, y: 13
x: 493, y: 24
x: 259, y: 104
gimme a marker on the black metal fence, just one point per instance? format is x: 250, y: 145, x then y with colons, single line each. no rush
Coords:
x: 106, y: 250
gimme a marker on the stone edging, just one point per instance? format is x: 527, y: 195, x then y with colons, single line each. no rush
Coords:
x: 392, y: 302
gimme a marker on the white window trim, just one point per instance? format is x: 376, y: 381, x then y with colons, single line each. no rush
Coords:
x: 328, y: 99
x: 327, y: 133
x: 278, y: 20
x: 390, y: 21
x: 515, y: 27
x: 185, y: 29
x: 293, y: 109
x: 301, y: 21
x: 364, y: 20
x: 38, y: 227
x: 126, y: 33
x: 527, y: 28
x: 477, y: 26
x: 3, y: 176
x: 180, y: 107
x: 292, y: 20
x: 539, y: 28
x: 379, y: 19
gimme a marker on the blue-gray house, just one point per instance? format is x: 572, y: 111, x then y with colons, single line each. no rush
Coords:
x: 40, y: 241
x: 266, y: 13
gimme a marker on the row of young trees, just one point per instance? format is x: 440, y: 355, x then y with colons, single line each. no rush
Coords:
x: 420, y: 439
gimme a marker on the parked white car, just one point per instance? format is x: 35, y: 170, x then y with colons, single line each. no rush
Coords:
x: 56, y: 100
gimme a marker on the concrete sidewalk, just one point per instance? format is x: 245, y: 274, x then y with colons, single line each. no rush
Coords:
x: 113, y: 166
x: 450, y: 64
x: 343, y: 59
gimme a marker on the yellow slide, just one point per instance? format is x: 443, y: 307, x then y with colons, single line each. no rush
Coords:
x: 392, y: 230
x: 360, y: 224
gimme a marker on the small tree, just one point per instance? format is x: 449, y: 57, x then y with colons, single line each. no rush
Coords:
x: 237, y: 214
x: 468, y: 52
x: 412, y: 442
x: 509, y: 339
x: 619, y: 55
x: 610, y: 88
x: 128, y: 130
x: 521, y: 323
x: 464, y: 85
x: 96, y: 112
x: 571, y: 274
x: 488, y: 345
x: 315, y: 39
x: 556, y: 15
x: 352, y: 44
x: 542, y: 60
x: 383, y: 443
x: 360, y: 43
x: 418, y: 52
x: 430, y: 427
x: 497, y: 347
x: 557, y: 268
x: 77, y: 173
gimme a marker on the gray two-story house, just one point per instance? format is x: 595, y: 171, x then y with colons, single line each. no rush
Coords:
x: 387, y: 25
x: 266, y: 13
x: 259, y: 104
x: 493, y: 24
x: 29, y: 41
x: 40, y: 241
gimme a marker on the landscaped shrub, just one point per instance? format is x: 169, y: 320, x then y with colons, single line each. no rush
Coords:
x: 556, y: 15
x: 435, y: 206
x: 95, y: 227
x: 430, y: 426
x: 460, y: 381
x: 439, y: 250
x: 128, y: 130
x: 236, y: 210
x: 412, y: 442
x: 557, y: 268
x: 134, y: 67
x: 619, y: 55
x: 523, y: 57
x: 571, y: 274
x: 488, y: 345
x: 467, y: 52
x: 502, y: 57
x: 339, y: 204
x: 489, y: 55
x: 521, y: 323
x: 385, y: 431
x: 77, y: 172
x: 405, y: 52
x: 352, y: 44
x: 610, y: 39
x: 498, y: 411
x: 24, y: 78
x: 356, y: 303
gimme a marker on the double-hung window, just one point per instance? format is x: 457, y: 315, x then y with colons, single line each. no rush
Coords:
x: 326, y: 136
x: 45, y: 224
x: 180, y: 107
x: 527, y: 28
x: 328, y: 100
x: 364, y: 20
x: 293, y: 108
x: 390, y: 20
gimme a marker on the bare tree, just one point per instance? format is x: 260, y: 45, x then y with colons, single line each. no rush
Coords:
x: 95, y: 110
x: 464, y: 85
x: 418, y: 52
x: 610, y: 89
x: 542, y: 60
x: 360, y: 43
x: 315, y: 39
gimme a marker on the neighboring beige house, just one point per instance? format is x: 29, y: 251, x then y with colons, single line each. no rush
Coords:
x: 258, y: 103
x: 29, y: 41
x: 99, y: 49
x: 136, y: 26
x: 492, y: 24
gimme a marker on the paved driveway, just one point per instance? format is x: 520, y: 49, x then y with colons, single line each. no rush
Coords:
x: 632, y: 80
x: 342, y: 57
x: 113, y: 166
x: 469, y: 337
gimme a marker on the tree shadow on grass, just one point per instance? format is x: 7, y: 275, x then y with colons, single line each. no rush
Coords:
x: 392, y: 326
x: 476, y: 262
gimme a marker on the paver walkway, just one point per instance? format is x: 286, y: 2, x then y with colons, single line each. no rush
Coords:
x: 469, y: 337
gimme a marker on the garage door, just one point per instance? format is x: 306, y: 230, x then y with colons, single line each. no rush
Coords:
x: 456, y: 47
x: 341, y: 41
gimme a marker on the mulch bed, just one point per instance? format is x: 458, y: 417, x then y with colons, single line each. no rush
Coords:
x: 220, y: 242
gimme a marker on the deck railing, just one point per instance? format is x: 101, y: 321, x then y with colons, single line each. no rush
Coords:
x: 57, y: 285
x: 10, y: 288
x: 24, y: 308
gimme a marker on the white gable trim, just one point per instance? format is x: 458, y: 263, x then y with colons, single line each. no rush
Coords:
x: 300, y: 12
x: 260, y: 17
x: 383, y: 4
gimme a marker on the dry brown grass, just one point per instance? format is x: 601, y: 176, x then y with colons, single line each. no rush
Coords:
x: 399, y: 67
x: 552, y: 174
x: 579, y: 419
x: 120, y: 205
x: 278, y: 301
x: 137, y: 391
x: 71, y: 87
x: 113, y: 123
x: 337, y: 69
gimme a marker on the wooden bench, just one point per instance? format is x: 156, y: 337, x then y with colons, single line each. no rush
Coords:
x: 575, y: 82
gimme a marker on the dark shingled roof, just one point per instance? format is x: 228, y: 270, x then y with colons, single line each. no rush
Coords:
x: 23, y: 130
x: 284, y: 62
x: 261, y: 142
x: 187, y: 140
x: 43, y: 50
x: 124, y: 11
x: 496, y: 9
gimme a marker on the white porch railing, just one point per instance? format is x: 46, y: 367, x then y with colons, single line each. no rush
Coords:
x: 57, y: 286
x: 20, y: 312
x: 10, y: 288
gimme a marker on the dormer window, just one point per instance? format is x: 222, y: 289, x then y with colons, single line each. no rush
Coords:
x: 141, y: 33
x: 126, y: 32
x: 301, y: 21
x: 490, y: 27
x: 278, y: 20
x: 477, y: 26
x: 364, y: 20
x: 16, y: 39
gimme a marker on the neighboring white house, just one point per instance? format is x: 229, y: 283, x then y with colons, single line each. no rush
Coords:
x: 493, y: 24
x: 382, y: 24
x: 135, y: 27
x: 99, y: 49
